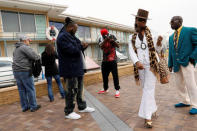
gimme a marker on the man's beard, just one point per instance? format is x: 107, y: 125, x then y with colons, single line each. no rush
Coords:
x: 72, y: 32
x: 142, y: 28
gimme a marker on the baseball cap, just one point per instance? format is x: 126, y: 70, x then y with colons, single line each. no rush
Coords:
x: 23, y: 37
x: 104, y: 32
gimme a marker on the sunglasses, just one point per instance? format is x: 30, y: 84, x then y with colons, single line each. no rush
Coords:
x: 141, y: 20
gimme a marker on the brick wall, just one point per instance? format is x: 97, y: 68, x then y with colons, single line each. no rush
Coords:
x: 10, y: 95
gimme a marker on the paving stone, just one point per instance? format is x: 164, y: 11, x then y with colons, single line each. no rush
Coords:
x: 126, y: 107
x: 51, y: 116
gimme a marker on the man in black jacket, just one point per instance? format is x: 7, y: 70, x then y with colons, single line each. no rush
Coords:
x: 70, y: 49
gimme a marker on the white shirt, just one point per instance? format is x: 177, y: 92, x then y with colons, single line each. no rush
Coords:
x: 159, y: 48
x: 142, y: 55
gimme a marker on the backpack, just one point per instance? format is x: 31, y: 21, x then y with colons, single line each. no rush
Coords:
x: 36, y: 68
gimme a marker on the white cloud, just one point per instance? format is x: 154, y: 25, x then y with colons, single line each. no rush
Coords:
x: 160, y: 11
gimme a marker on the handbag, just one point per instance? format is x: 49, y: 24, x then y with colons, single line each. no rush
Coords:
x: 163, y: 71
x: 36, y: 68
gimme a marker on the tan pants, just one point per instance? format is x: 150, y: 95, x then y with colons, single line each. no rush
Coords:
x: 186, y: 84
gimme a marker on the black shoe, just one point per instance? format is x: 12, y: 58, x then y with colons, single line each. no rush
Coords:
x: 51, y: 100
x: 35, y: 109
x: 24, y: 110
x: 63, y: 97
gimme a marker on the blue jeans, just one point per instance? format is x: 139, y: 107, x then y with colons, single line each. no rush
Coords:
x: 26, y: 89
x: 49, y: 83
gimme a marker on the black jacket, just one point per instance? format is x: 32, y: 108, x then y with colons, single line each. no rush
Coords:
x: 50, y: 65
x: 70, y: 57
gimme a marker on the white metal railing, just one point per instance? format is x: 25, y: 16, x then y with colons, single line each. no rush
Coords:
x: 9, y: 81
x: 14, y: 35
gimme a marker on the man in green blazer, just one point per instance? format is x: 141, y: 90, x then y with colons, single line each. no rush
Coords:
x: 182, y: 59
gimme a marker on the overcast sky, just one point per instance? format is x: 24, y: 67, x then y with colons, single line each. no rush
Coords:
x: 160, y: 11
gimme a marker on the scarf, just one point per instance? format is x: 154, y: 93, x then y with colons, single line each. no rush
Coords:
x: 154, y: 64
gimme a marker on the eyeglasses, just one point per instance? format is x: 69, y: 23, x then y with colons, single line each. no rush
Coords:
x: 173, y: 21
x: 141, y: 20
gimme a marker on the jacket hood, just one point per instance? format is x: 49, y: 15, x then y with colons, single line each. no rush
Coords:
x: 18, y: 44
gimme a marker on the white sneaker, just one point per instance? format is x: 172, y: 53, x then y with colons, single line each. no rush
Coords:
x: 117, y: 92
x: 117, y: 95
x: 87, y: 109
x: 73, y: 115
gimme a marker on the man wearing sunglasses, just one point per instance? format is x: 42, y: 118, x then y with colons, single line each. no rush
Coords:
x: 182, y: 59
x: 145, y: 65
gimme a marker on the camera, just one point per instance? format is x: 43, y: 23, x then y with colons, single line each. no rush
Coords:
x: 111, y: 38
x: 105, y: 36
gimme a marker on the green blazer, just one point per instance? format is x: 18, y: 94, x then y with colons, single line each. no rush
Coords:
x: 187, y: 48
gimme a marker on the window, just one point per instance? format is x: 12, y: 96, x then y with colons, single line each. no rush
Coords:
x: 87, y: 34
x: 125, y: 37
x: 118, y: 36
x: 83, y: 33
x: 98, y: 31
x: 10, y: 49
x: 40, y: 21
x: 77, y: 34
x: 10, y: 21
x: 121, y: 37
x: 58, y: 25
x: 88, y: 51
x: 128, y: 34
x: 110, y: 32
x: 114, y: 33
x: 42, y: 47
x: 27, y: 22
x: 93, y: 34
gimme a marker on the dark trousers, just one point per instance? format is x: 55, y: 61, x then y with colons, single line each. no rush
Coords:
x: 74, y: 91
x: 106, y: 68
